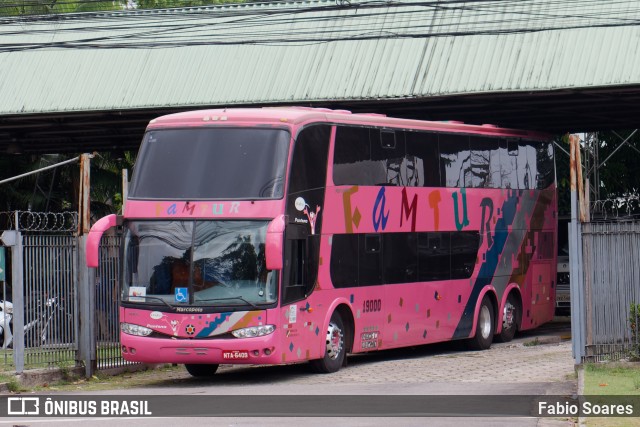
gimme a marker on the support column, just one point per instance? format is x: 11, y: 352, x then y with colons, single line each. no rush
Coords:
x: 13, y: 239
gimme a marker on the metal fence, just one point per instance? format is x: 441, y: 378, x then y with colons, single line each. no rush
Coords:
x: 107, y: 288
x: 46, y: 289
x: 50, y: 304
x: 608, y: 326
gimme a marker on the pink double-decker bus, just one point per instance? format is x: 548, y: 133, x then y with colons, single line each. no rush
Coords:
x: 283, y: 235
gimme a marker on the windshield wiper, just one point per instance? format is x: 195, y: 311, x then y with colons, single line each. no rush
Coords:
x: 226, y: 299
x: 155, y: 298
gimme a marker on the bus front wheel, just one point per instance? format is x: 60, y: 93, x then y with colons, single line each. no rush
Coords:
x: 201, y: 370
x: 484, y: 327
x: 335, y: 349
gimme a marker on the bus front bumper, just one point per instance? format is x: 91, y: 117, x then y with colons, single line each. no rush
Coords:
x: 257, y: 350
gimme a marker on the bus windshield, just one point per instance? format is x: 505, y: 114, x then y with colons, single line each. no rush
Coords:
x: 205, y: 263
x: 211, y: 163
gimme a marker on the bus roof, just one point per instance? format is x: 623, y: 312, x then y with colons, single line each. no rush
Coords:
x: 301, y: 115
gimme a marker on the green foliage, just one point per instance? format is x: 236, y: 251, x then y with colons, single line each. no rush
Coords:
x: 47, y: 7
x: 57, y: 189
x: 634, y: 324
x: 619, y: 176
x: 45, y: 192
x: 167, y: 4
x: 106, y: 182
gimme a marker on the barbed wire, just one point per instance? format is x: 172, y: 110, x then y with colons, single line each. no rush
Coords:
x: 39, y: 221
x: 622, y: 208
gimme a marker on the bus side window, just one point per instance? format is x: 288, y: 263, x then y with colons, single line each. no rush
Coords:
x: 464, y: 252
x: 527, y: 165
x: 434, y: 256
x: 370, y: 263
x: 352, y: 163
x: 400, y: 257
x: 485, y: 163
x: 455, y: 159
x: 423, y: 165
x: 508, y: 163
x: 388, y: 155
x: 344, y: 260
x: 544, y: 160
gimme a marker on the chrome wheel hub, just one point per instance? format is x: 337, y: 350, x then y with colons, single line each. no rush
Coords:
x: 485, y: 322
x: 334, y: 341
x: 508, y: 316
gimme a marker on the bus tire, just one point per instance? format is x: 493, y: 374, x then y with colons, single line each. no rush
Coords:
x: 199, y: 370
x: 335, y: 349
x: 484, y: 327
x: 510, y: 319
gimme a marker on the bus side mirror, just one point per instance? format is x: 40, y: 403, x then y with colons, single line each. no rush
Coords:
x: 93, y: 239
x: 274, y: 246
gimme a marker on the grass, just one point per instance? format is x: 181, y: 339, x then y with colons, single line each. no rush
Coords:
x: 101, y: 381
x: 612, y: 379
x: 62, y: 356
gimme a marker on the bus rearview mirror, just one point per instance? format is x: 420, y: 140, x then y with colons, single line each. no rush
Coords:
x: 93, y: 239
x: 274, y: 243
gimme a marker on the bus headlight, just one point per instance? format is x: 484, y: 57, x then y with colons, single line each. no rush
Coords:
x: 254, y: 331
x: 136, y: 330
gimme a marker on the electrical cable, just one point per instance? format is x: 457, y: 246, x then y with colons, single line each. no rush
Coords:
x: 311, y: 22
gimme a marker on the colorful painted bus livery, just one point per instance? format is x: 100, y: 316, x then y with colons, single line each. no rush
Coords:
x: 282, y: 235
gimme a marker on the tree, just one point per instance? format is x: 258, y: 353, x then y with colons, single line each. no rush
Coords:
x: 57, y: 189
x: 619, y: 176
x: 48, y: 7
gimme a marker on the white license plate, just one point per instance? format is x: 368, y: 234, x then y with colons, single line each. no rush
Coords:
x: 235, y: 355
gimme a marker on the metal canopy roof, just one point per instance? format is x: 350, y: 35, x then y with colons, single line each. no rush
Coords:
x: 83, y: 82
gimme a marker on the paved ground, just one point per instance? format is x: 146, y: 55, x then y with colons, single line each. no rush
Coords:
x: 541, y: 357
x: 537, y: 363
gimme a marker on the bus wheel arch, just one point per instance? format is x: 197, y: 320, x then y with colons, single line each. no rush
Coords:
x: 338, y: 341
x: 510, y: 317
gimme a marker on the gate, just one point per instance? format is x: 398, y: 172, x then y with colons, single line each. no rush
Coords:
x: 50, y: 304
x: 42, y: 286
x: 601, y: 307
x: 107, y: 287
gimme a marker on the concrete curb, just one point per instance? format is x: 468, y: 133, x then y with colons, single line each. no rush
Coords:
x: 550, y: 339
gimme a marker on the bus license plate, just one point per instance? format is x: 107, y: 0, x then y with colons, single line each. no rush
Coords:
x: 235, y: 355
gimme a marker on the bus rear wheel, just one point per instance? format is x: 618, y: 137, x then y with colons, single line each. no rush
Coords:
x: 335, y: 349
x: 484, y: 327
x: 510, y: 320
x: 201, y: 370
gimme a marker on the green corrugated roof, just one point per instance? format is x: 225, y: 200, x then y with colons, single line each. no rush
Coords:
x: 314, y: 51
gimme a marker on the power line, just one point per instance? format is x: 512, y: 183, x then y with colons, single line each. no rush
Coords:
x: 321, y: 22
